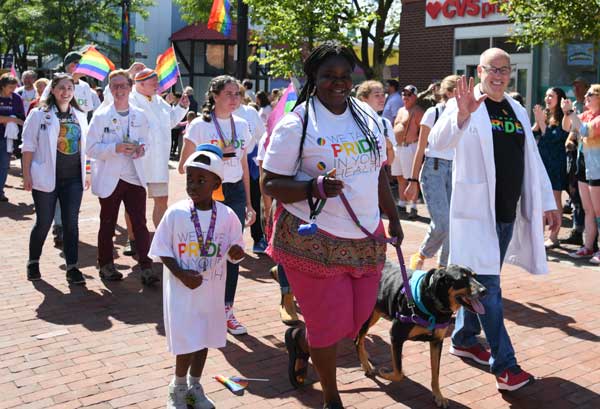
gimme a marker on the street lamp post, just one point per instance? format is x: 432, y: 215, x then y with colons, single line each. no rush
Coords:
x: 125, y: 33
x: 242, y: 40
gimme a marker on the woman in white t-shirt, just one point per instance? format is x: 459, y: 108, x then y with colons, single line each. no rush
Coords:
x: 262, y: 99
x: 435, y: 168
x: 335, y: 271
x: 373, y: 94
x: 218, y: 126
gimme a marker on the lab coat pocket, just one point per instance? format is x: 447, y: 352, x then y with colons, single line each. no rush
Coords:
x: 470, y: 200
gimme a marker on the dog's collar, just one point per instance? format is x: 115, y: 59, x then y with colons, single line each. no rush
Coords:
x: 430, y: 324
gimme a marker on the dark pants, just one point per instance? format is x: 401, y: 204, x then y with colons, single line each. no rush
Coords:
x: 4, y: 164
x: 68, y: 192
x: 134, y: 198
x: 256, y: 230
x: 235, y: 198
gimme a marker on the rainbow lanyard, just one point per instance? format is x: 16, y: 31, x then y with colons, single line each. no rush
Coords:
x: 220, y: 131
x: 198, y: 228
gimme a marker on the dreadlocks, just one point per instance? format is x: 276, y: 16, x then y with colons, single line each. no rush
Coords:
x: 311, y: 65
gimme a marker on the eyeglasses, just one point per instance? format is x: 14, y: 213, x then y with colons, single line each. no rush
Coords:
x: 119, y: 86
x: 497, y: 70
x: 590, y: 94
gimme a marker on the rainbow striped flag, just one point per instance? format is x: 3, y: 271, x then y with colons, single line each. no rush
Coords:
x: 284, y: 105
x: 167, y: 70
x: 220, y: 17
x: 94, y: 64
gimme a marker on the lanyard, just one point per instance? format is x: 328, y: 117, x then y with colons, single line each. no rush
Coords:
x: 198, y: 228
x: 220, y: 131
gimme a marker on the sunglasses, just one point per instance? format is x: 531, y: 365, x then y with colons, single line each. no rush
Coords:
x: 590, y: 94
x: 407, y: 94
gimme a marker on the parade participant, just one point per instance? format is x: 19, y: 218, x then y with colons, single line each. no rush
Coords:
x: 257, y: 129
x: 406, y: 132
x: 394, y: 102
x: 587, y: 126
x: 434, y: 171
x: 496, y: 166
x: 265, y: 108
x: 248, y: 85
x: 371, y: 92
x: 218, y: 126
x: 116, y: 143
x: 551, y: 138
x: 27, y: 92
x: 334, y: 272
x: 194, y: 273
x: 11, y: 112
x: 163, y: 117
x: 54, y: 142
x: 40, y: 85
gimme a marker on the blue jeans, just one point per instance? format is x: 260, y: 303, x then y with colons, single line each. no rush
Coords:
x: 468, y: 324
x: 68, y: 192
x: 235, y: 198
x: 436, y: 184
x: 284, y: 284
x: 4, y: 164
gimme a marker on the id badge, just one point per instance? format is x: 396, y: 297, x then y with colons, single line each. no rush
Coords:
x: 228, y: 151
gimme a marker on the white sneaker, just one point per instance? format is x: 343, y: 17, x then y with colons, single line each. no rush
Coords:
x: 177, y: 396
x: 201, y: 401
x: 234, y: 327
x: 595, y: 258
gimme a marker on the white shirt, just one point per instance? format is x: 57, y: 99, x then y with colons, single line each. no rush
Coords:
x: 27, y: 96
x: 128, y: 171
x: 332, y: 141
x: 264, y: 113
x: 195, y: 319
x: 106, y: 131
x: 255, y: 124
x: 429, y: 120
x: 40, y: 136
x: 200, y: 132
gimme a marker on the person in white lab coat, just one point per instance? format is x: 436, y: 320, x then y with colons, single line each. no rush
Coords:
x: 501, y: 199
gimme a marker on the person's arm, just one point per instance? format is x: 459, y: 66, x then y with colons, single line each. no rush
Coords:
x: 540, y: 119
x: 188, y: 148
x: 250, y: 213
x: 412, y: 190
x: 7, y: 119
x: 190, y: 278
x: 27, y: 181
x: 399, y: 128
x: 287, y: 190
x: 388, y: 205
x: 178, y: 112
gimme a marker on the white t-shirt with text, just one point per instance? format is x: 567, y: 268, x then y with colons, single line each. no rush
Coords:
x: 429, y: 120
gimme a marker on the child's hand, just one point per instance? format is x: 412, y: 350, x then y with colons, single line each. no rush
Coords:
x: 191, y: 279
x: 236, y: 253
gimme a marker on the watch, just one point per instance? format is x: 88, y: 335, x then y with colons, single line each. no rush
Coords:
x: 569, y: 112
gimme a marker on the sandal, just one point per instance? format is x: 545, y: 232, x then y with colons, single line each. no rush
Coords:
x: 295, y: 353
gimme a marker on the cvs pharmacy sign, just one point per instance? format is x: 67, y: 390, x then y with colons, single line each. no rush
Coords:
x: 455, y: 12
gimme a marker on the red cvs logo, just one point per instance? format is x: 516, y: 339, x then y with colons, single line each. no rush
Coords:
x: 460, y: 8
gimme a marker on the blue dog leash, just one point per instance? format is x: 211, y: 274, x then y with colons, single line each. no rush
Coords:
x: 430, y: 324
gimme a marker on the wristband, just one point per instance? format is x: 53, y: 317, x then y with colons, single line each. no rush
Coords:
x: 321, y: 188
x: 413, y: 180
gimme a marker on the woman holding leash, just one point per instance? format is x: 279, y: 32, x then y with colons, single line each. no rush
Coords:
x: 333, y: 267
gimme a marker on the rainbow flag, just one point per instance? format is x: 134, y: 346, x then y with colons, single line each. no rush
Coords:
x: 231, y: 384
x: 220, y: 18
x: 94, y: 64
x: 167, y: 70
x: 284, y: 105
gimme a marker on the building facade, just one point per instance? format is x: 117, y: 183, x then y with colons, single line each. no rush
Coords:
x: 442, y: 37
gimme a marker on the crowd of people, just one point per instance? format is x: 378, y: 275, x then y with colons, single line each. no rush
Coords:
x: 308, y: 190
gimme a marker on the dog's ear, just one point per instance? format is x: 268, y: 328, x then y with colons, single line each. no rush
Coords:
x: 460, y: 275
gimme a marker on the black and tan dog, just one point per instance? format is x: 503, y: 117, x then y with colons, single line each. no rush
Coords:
x: 442, y: 292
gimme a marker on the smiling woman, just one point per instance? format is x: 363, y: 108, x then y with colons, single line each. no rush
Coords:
x: 328, y: 133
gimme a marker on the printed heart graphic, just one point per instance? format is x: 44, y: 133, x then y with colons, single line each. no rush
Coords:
x: 433, y: 9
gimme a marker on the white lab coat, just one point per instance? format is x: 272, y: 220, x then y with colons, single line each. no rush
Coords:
x: 473, y: 237
x: 163, y: 117
x: 40, y: 136
x: 103, y: 137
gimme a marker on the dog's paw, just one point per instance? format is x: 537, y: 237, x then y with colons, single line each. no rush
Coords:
x: 368, y: 369
x: 391, y: 375
x: 440, y: 401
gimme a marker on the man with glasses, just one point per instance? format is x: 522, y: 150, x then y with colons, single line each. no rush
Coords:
x: 406, y: 132
x: 115, y: 141
x: 501, y: 199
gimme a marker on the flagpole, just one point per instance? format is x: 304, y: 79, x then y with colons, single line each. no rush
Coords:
x: 178, y: 70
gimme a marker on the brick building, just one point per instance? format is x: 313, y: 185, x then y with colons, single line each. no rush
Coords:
x: 442, y: 37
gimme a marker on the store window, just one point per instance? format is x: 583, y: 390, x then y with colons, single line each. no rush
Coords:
x: 507, y: 45
x: 472, y: 46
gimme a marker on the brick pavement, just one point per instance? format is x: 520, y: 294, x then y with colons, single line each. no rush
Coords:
x: 102, y: 346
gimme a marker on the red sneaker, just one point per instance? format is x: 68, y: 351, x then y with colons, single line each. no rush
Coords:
x: 512, y: 379
x: 234, y: 327
x: 477, y: 353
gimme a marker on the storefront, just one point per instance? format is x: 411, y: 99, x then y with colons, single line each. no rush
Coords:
x: 441, y: 37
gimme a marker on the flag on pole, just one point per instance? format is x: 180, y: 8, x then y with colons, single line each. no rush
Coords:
x: 94, y: 64
x: 13, y: 72
x: 284, y: 105
x: 220, y: 17
x: 167, y: 70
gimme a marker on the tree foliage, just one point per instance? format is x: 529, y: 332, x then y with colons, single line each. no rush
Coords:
x: 286, y: 30
x: 553, y: 21
x: 48, y: 27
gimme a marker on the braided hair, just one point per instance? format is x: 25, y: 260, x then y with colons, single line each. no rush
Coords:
x: 215, y: 86
x: 308, y: 92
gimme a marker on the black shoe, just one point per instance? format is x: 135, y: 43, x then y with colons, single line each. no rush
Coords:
x: 33, y: 272
x: 567, y: 209
x: 401, y: 209
x: 74, y: 276
x: 108, y: 272
x: 413, y: 214
x: 575, y: 238
x: 130, y: 249
x: 333, y: 405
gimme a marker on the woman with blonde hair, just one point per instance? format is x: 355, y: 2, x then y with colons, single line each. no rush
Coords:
x: 435, y: 169
x: 373, y: 94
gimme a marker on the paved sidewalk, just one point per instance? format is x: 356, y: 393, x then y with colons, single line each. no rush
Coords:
x: 103, y: 346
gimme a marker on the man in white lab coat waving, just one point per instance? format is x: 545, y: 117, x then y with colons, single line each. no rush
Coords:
x: 501, y: 199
